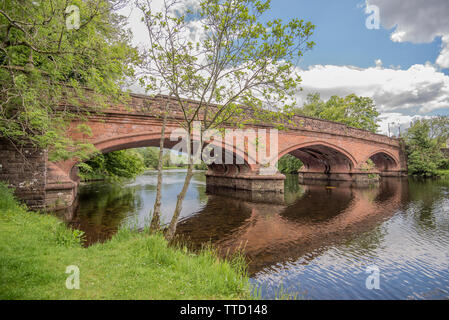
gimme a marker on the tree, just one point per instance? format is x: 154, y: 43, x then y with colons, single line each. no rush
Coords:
x: 150, y: 157
x: 439, y: 130
x: 220, y: 52
x: 289, y: 164
x: 47, y: 61
x: 424, y: 140
x: 354, y: 111
x: 115, y: 165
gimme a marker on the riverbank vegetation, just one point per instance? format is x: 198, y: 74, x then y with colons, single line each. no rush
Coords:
x: 128, y: 164
x: 37, y: 248
x: 114, y: 165
x: 424, y: 142
x: 51, y: 51
x: 151, y: 159
x: 289, y: 164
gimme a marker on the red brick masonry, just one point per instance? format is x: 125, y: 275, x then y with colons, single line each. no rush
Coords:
x: 328, y: 150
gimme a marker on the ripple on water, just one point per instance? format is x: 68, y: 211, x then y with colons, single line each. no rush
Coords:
x: 317, y: 245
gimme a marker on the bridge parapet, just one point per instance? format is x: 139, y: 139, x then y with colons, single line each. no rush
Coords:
x: 327, y: 149
x: 152, y: 106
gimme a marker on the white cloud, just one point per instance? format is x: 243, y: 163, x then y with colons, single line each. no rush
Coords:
x: 394, y: 124
x: 443, y: 58
x: 421, y: 88
x: 401, y: 96
x: 417, y: 21
x: 138, y: 28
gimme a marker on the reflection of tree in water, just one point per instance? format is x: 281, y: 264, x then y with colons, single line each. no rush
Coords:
x: 103, y: 208
x: 292, y: 188
x: 427, y: 198
x: 199, y: 182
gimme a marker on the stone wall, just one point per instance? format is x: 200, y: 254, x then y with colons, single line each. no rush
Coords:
x: 25, y: 170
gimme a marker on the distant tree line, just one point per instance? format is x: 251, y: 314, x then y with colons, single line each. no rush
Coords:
x: 129, y: 164
x: 113, y: 165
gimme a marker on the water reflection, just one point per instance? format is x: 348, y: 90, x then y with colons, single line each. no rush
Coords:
x: 317, y: 240
x: 273, y: 234
x: 102, y: 207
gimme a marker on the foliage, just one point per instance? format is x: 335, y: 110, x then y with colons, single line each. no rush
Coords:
x: 68, y: 239
x: 200, y: 166
x: 129, y: 266
x: 222, y: 52
x: 45, y: 68
x: 289, y: 164
x: 424, y: 148
x: 234, y: 60
x: 150, y: 157
x: 368, y: 165
x: 354, y: 111
x: 439, y: 130
x: 115, y: 165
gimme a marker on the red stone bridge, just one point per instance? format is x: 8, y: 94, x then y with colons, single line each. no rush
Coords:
x: 329, y: 151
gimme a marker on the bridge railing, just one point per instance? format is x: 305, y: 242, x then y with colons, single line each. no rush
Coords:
x: 153, y: 105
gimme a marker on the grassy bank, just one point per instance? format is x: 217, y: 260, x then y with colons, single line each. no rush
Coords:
x: 35, y: 250
x: 444, y: 174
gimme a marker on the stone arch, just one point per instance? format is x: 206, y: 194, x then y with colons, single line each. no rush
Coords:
x: 140, y: 140
x: 383, y: 160
x: 322, y: 157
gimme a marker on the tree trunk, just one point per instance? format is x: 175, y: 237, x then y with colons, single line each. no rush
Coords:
x: 156, y: 220
x: 170, y: 232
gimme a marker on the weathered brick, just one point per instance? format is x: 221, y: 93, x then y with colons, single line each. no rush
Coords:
x: 325, y: 147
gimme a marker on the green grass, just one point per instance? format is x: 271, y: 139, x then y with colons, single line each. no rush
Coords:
x: 35, y: 250
x: 443, y: 173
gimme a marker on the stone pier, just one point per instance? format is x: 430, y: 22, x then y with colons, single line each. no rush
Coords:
x: 328, y: 150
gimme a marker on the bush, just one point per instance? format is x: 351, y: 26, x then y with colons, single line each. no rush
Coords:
x: 115, y: 165
x: 289, y: 164
x: 424, y: 151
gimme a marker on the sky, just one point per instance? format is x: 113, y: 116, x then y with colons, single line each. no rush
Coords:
x: 394, y: 51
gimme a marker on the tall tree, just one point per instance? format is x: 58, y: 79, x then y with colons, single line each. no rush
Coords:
x: 439, y: 130
x: 352, y: 110
x: 424, y: 140
x: 50, y: 51
x: 156, y: 219
x: 220, y: 51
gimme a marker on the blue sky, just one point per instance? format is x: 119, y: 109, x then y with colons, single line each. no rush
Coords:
x: 403, y: 65
x: 342, y: 38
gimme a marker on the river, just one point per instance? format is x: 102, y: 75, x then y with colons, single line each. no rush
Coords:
x: 318, y: 241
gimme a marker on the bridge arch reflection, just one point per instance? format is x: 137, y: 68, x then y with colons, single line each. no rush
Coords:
x: 316, y: 216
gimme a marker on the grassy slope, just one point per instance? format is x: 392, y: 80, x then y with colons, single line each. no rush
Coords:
x: 35, y: 250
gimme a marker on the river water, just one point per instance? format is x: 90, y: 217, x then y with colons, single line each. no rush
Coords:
x: 318, y: 241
